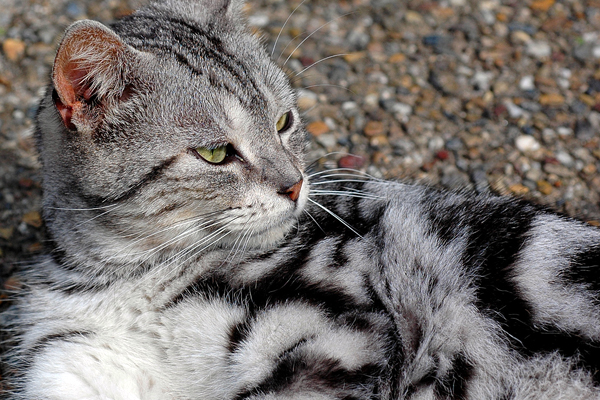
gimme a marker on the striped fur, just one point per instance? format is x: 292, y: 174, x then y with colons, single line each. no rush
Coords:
x: 174, y: 278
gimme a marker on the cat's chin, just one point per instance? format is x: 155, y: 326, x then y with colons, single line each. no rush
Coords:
x: 264, y: 238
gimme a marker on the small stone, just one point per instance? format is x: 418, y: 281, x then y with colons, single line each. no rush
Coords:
x: 33, y: 218
x: 13, y: 49
x: 587, y: 99
x: 454, y: 144
x: 539, y: 49
x: 354, y: 57
x: 351, y: 161
x: 542, y: 5
x: 258, y: 20
x: 590, y: 169
x: 350, y: 108
x: 306, y: 99
x: 442, y: 155
x: 317, y: 128
x: 482, y: 80
x: 514, y: 111
x: 374, y: 128
x: 402, y: 111
x: 564, y: 131
x: 518, y: 189
x: 327, y: 140
x: 544, y: 187
x: 526, y: 143
x: 551, y: 99
x: 518, y: 37
x: 527, y: 83
x: 6, y: 233
x: 397, y: 58
x: 564, y: 158
x: 413, y: 17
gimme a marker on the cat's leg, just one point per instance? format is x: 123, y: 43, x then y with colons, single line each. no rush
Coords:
x: 92, y: 367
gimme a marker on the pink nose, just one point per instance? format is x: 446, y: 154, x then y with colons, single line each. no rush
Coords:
x: 294, y: 191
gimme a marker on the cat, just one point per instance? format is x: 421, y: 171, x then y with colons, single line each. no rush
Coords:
x: 191, y: 259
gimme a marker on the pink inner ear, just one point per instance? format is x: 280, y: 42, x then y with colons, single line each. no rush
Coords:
x: 69, y: 81
x: 75, y: 74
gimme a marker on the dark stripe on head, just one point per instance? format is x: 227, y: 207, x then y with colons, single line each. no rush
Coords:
x: 198, y: 50
x: 100, y: 202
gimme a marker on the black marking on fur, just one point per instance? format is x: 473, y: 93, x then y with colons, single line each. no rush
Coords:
x: 184, y: 40
x: 154, y: 173
x: 97, y: 201
x: 584, y: 269
x: 48, y: 340
x: 294, y: 368
x: 496, y: 232
x: 238, y: 333
x: 455, y: 382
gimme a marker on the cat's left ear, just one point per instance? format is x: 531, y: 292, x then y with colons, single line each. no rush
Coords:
x: 91, y: 68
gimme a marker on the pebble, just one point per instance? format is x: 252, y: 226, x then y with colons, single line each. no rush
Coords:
x: 33, y: 218
x: 306, y: 99
x: 565, y: 158
x: 13, y: 49
x: 527, y: 83
x: 542, y: 5
x: 518, y: 37
x: 518, y: 189
x: 514, y: 111
x: 401, y: 111
x: 544, y: 187
x: 327, y: 140
x: 526, y: 143
x: 539, y: 49
x: 317, y: 128
x: 351, y: 161
x: 481, y: 80
x: 374, y: 128
x: 551, y: 99
x: 564, y: 131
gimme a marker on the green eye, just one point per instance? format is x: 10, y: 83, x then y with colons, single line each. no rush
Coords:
x: 284, y: 122
x: 214, y: 156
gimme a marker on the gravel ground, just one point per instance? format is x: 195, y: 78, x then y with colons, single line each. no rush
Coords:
x: 487, y: 95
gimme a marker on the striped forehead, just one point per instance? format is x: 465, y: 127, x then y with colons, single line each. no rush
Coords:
x: 200, y: 52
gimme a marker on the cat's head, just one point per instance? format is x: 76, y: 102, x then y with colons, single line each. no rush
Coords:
x: 174, y: 130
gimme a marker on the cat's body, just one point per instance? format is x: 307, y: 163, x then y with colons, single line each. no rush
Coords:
x: 178, y: 274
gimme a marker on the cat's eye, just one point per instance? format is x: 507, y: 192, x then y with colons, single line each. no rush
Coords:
x: 284, y: 123
x: 213, y: 156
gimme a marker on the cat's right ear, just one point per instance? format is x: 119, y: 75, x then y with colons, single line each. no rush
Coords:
x: 90, y: 71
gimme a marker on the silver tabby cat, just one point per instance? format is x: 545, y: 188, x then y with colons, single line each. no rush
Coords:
x: 185, y: 266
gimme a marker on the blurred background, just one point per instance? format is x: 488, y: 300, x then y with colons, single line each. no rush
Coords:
x: 485, y: 95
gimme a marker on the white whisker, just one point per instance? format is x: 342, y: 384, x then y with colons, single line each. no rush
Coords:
x: 312, y: 33
x: 314, y: 220
x: 346, y: 194
x: 334, y: 215
x: 330, y: 84
x: 317, y: 62
x: 283, y: 26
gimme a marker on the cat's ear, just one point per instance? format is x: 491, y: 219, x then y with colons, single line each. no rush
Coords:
x: 90, y: 70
